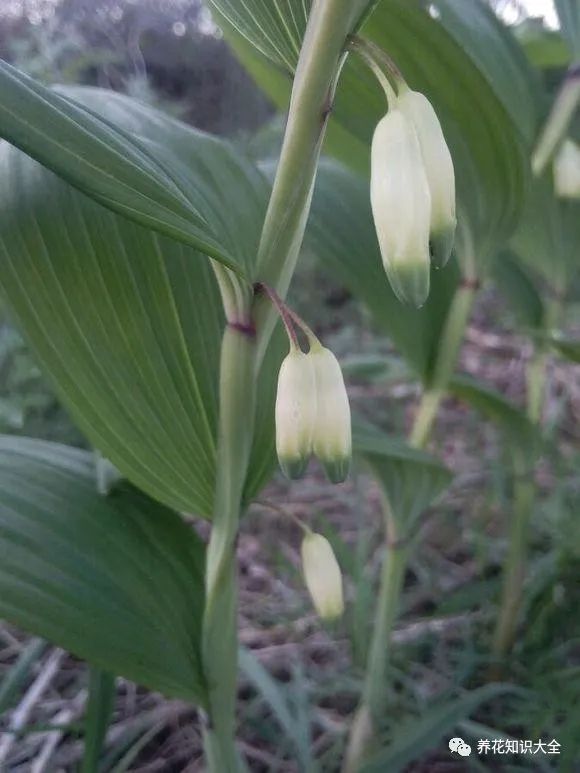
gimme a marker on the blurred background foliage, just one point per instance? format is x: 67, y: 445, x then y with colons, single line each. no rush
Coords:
x: 172, y: 55
x: 169, y: 54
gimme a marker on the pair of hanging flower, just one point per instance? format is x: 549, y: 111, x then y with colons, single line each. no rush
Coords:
x: 312, y: 413
x: 412, y: 183
x: 312, y: 409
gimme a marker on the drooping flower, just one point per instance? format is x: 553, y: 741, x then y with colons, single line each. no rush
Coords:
x: 567, y: 171
x: 438, y: 168
x: 401, y: 205
x: 322, y: 576
x: 295, y: 412
x: 331, y: 440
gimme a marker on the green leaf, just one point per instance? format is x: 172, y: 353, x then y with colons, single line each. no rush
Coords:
x: 275, y: 698
x: 548, y: 234
x: 99, y: 712
x: 475, y: 27
x: 373, y: 367
x: 134, y: 735
x: 423, y: 733
x: 468, y: 64
x: 143, y: 739
x: 518, y: 288
x: 568, y: 348
x: 341, y: 235
x: 544, y: 48
x: 569, y: 15
x: 268, y: 688
x: 226, y: 188
x: 19, y: 673
x: 509, y: 419
x: 177, y: 182
x: 276, y: 29
x: 128, y: 323
x: 116, y: 580
x: 410, y: 478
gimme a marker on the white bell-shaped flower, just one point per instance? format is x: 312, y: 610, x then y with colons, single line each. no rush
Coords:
x: 331, y: 440
x: 438, y: 168
x: 322, y: 576
x: 295, y: 412
x: 401, y: 205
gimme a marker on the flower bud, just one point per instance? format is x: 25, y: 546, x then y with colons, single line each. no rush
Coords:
x: 567, y: 171
x: 295, y: 413
x: 322, y: 576
x: 331, y: 441
x: 439, y: 170
x: 401, y: 205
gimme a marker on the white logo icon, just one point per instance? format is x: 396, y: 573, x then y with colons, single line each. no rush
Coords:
x: 459, y: 746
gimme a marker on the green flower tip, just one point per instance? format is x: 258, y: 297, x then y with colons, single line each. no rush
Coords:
x: 441, y: 245
x: 336, y: 469
x: 410, y: 281
x: 293, y: 468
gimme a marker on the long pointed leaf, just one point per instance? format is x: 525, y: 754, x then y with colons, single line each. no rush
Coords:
x: 128, y: 323
x: 117, y: 580
x: 510, y: 419
x: 518, y: 288
x: 128, y: 173
x: 410, y: 478
x: 219, y: 182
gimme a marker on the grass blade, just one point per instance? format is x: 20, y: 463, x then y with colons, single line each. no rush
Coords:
x: 19, y: 672
x: 99, y: 711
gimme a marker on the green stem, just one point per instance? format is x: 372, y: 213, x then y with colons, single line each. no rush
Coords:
x: 372, y: 707
x: 425, y: 417
x: 317, y: 72
x: 395, y: 557
x: 514, y: 570
x: 219, y: 640
x: 319, y: 65
x: 376, y: 59
x: 514, y: 567
x: 536, y: 383
x: 392, y: 574
x: 563, y: 109
x: 536, y: 370
x: 449, y: 345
